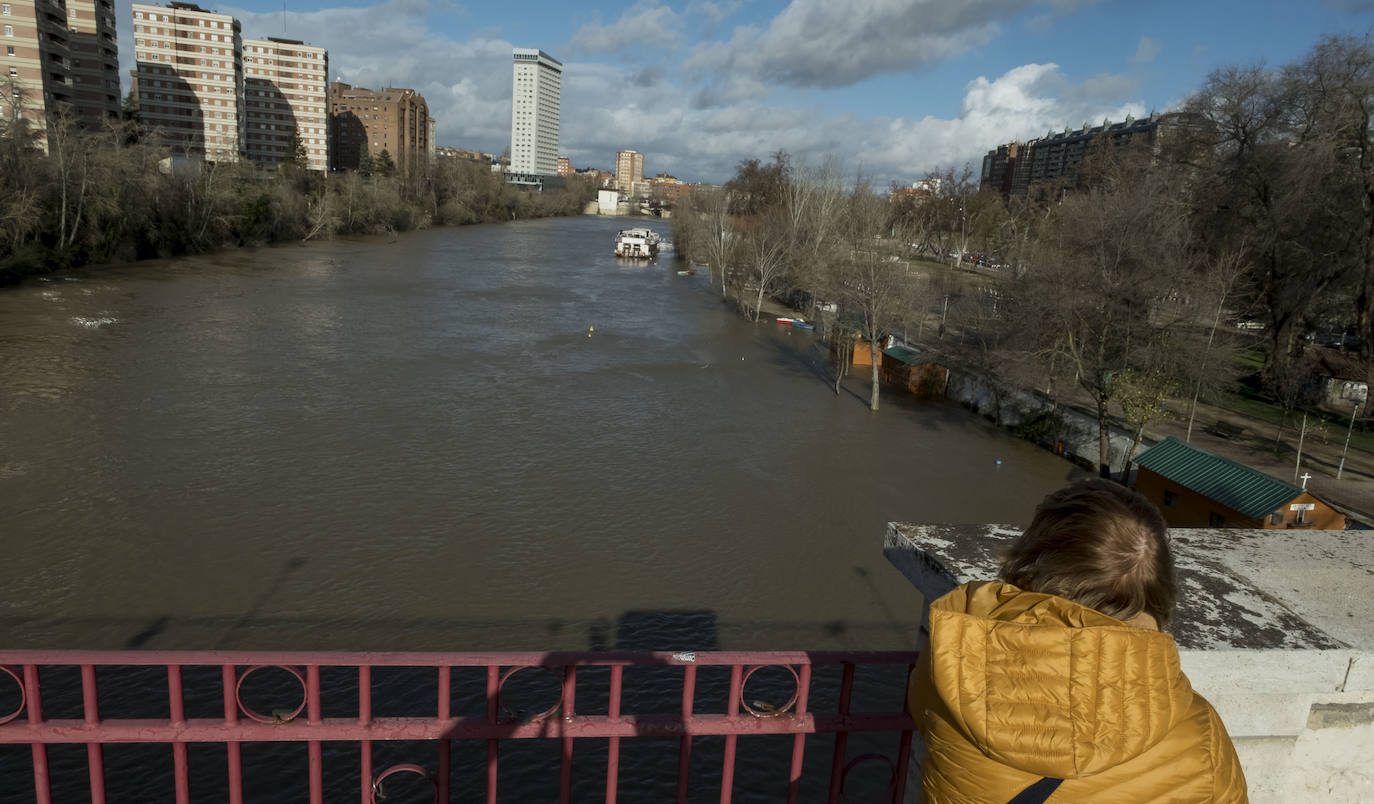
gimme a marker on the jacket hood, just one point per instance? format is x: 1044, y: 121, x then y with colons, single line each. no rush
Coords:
x: 1048, y: 686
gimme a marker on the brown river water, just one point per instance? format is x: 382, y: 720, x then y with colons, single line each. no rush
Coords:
x: 416, y: 445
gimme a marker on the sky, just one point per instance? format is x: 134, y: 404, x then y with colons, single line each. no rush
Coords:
x: 890, y: 88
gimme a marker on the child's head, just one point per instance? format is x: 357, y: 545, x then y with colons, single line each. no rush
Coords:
x: 1099, y: 544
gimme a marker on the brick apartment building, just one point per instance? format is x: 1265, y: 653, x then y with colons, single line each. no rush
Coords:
x: 286, y: 86
x: 62, y: 55
x: 368, y: 121
x: 629, y: 171
x: 1014, y: 168
x: 190, y: 78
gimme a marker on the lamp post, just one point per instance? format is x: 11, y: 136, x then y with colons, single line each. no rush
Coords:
x: 1353, y: 412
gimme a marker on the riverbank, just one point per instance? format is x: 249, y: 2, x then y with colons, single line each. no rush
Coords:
x: 121, y: 205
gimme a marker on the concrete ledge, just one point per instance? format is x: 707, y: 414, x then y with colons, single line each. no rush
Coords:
x: 1268, y: 632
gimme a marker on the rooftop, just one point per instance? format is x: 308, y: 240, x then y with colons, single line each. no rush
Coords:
x: 1232, y: 484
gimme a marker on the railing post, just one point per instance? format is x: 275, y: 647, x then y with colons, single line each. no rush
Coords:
x: 95, y: 757
x: 799, y: 740
x: 613, y: 744
x: 178, y: 709
x: 229, y: 680
x: 445, y: 754
x: 565, y: 760
x: 42, y: 789
x: 365, y: 719
x: 841, y: 737
x: 312, y: 712
x: 684, y: 751
x: 727, y: 773
x: 493, y: 745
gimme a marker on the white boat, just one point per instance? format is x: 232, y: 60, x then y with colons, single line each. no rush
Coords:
x: 639, y: 243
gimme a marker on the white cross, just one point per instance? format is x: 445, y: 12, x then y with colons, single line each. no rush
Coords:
x: 1305, y: 477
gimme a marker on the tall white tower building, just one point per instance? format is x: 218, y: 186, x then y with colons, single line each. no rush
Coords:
x: 536, y: 100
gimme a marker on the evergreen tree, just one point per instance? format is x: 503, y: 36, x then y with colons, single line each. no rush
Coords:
x: 384, y: 164
x: 365, y: 164
x: 295, y: 151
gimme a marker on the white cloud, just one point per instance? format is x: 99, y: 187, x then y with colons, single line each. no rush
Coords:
x: 644, y: 24
x: 696, y: 129
x: 822, y: 43
x: 1146, y: 51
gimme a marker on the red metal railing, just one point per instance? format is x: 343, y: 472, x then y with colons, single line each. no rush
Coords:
x: 562, y: 721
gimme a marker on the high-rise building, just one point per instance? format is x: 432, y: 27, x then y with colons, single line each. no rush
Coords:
x: 190, y: 78
x: 62, y: 56
x: 629, y: 170
x: 286, y: 89
x: 537, y: 98
x: 368, y: 121
x: 565, y: 167
x: 94, y: 60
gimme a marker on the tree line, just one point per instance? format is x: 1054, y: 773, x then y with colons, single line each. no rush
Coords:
x: 117, y: 194
x: 1246, y: 223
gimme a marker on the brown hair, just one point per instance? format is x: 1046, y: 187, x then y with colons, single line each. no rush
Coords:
x: 1099, y: 544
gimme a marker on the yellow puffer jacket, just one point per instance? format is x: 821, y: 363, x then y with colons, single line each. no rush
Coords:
x: 1018, y: 685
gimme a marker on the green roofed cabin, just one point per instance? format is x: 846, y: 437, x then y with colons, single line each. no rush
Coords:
x: 1196, y: 489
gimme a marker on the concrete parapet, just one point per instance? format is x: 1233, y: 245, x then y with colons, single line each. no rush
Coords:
x: 1272, y: 628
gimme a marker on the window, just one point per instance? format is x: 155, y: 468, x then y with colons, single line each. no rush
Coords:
x: 9, y: 30
x: 9, y: 50
x: 5, y: 9
x: 1170, y: 499
x: 1215, y: 520
x: 1276, y: 518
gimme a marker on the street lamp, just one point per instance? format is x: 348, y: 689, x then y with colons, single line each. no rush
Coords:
x: 1353, y: 412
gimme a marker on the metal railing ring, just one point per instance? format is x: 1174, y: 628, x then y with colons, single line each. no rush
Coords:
x: 765, y: 709
x: 378, y: 794
x: 891, y: 788
x: 514, y: 716
x: 23, y: 695
x: 278, y: 715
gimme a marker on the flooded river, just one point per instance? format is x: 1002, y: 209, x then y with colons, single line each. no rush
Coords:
x: 486, y: 438
x: 417, y: 445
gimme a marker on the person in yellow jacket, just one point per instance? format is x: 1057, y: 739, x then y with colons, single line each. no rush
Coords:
x: 1061, y: 672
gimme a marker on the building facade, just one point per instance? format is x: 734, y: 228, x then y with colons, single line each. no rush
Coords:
x: 286, y: 90
x: 565, y: 167
x: 629, y: 170
x: 190, y: 79
x: 1012, y: 169
x: 537, y: 100
x: 61, y: 56
x: 366, y: 121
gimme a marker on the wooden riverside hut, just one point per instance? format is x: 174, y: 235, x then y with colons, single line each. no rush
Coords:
x: 1195, y: 488
x: 905, y: 368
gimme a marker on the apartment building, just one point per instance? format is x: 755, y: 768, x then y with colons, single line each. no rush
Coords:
x: 190, y: 78
x: 366, y: 121
x: 1014, y: 168
x: 94, y: 61
x: 62, y: 57
x: 629, y: 171
x: 537, y: 101
x: 286, y: 89
x: 565, y: 167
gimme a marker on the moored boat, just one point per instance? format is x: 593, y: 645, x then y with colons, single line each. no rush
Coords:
x: 641, y: 243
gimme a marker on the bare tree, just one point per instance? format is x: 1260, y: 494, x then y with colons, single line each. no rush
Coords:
x: 874, y: 288
x: 1112, y: 254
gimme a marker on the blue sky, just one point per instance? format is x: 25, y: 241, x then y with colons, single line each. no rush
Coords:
x: 895, y: 88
